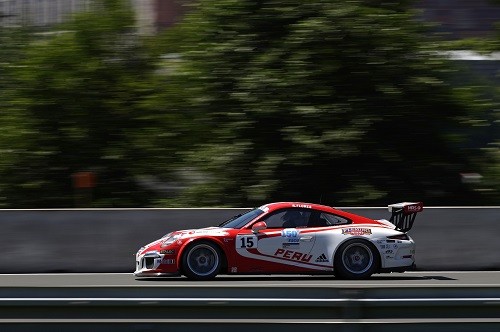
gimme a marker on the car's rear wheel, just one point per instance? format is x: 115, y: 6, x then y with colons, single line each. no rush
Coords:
x: 201, y: 261
x: 356, y: 259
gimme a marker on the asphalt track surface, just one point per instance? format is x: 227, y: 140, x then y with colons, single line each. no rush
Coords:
x: 432, y: 301
x: 407, y: 279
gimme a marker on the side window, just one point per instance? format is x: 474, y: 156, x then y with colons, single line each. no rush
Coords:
x: 289, y: 218
x: 323, y: 219
x: 275, y: 220
x: 333, y: 220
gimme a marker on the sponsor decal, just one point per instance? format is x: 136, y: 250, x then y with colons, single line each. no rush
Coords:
x: 356, y: 231
x: 290, y: 233
x: 291, y: 245
x: 264, y: 208
x: 321, y: 259
x: 246, y: 241
x: 168, y: 261
x: 168, y: 252
x: 302, y: 206
x: 293, y: 255
x: 234, y: 269
x: 418, y: 207
x: 209, y: 231
x: 226, y: 240
x: 389, y: 251
x: 382, y: 246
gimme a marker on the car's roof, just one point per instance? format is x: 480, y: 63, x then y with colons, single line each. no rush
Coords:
x: 357, y: 219
x: 281, y: 205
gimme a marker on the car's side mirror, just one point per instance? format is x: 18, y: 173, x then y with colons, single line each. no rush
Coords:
x: 259, y: 226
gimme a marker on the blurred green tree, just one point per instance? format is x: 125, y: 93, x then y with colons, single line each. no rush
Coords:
x: 77, y: 106
x: 340, y: 102
x: 325, y: 101
x: 484, y: 128
x: 12, y: 41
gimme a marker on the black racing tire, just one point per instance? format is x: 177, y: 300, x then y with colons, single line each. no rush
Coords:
x: 201, y: 260
x: 356, y: 259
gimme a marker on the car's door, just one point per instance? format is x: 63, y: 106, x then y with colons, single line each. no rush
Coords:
x: 286, y: 241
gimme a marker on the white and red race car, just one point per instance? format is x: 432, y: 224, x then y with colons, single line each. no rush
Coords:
x: 287, y: 238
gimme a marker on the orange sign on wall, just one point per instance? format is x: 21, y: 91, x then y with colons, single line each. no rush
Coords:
x: 84, y: 180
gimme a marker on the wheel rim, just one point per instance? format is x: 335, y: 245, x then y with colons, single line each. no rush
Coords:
x: 202, y: 260
x: 357, y: 258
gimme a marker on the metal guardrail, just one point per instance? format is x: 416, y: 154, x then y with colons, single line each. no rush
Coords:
x: 249, y: 308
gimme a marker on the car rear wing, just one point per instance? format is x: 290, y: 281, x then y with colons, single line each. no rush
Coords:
x: 403, y: 214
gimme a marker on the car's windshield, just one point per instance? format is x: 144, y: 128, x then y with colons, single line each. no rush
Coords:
x: 241, y: 219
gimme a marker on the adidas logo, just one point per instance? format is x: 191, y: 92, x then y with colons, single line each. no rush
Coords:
x: 322, y: 258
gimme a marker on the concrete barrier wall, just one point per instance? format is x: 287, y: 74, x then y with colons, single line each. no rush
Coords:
x: 38, y: 241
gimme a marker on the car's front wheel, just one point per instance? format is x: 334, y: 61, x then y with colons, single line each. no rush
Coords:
x: 201, y: 261
x: 356, y: 259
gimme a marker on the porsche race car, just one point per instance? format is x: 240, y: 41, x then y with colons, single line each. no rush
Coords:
x: 287, y: 238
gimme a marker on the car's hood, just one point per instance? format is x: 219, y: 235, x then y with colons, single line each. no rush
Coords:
x: 182, y: 235
x: 210, y: 231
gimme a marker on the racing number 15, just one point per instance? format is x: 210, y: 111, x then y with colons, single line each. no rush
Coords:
x: 248, y: 241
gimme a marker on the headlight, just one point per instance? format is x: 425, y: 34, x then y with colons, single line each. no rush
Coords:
x: 169, y: 240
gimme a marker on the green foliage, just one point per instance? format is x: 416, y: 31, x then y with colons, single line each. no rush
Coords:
x: 13, y: 128
x: 76, y: 107
x: 250, y: 101
x: 332, y: 101
x: 482, y: 45
x: 490, y: 186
